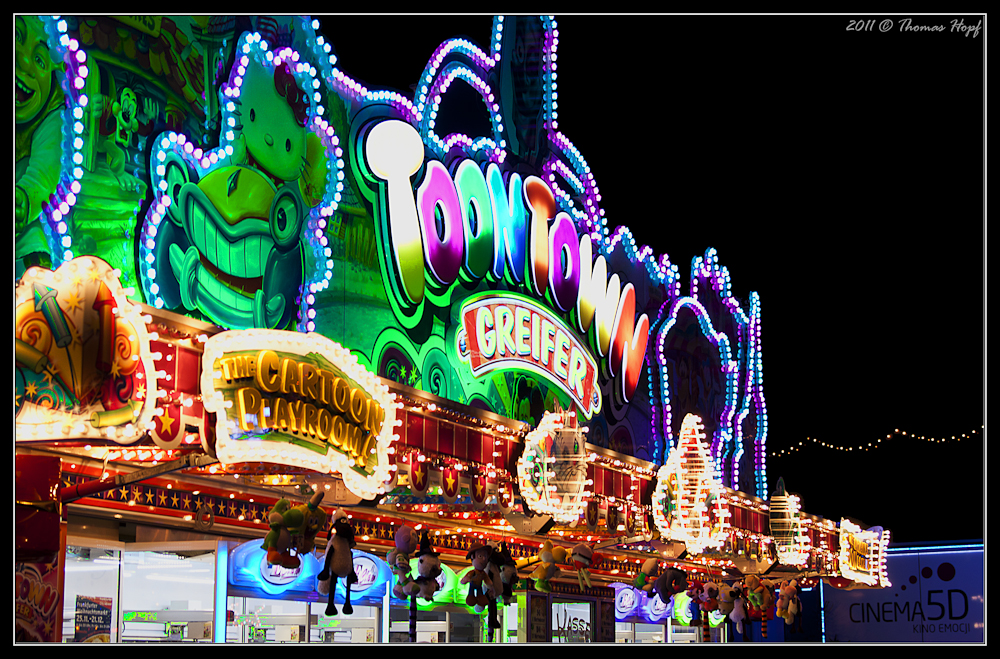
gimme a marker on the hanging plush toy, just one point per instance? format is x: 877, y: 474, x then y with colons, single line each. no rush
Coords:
x: 644, y: 580
x: 795, y: 606
x: 547, y: 568
x: 293, y: 527
x: 708, y: 601
x: 339, y: 563
x: 494, y: 589
x: 582, y: 558
x: 739, y: 613
x: 727, y: 599
x: 669, y: 583
x: 503, y: 562
x: 398, y: 558
x: 425, y: 584
x: 480, y: 557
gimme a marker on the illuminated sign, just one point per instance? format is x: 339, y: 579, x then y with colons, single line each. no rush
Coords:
x: 510, y: 331
x: 83, y: 366
x: 299, y: 400
x: 471, y: 227
x: 249, y: 568
x: 687, y: 502
x: 234, y: 229
x: 791, y: 543
x: 552, y: 469
x: 862, y: 554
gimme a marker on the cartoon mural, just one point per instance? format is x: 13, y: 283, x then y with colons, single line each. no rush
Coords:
x: 233, y: 171
x: 226, y: 238
x: 38, y: 131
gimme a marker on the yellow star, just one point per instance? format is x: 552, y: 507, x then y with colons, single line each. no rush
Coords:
x: 94, y: 274
x: 211, y: 504
x: 187, y: 502
x: 140, y: 392
x: 31, y: 390
x: 243, y: 510
x: 232, y: 509
x: 450, y: 480
x: 114, y: 369
x: 149, y: 496
x: 163, y: 498
x: 479, y: 488
x: 136, y: 492
x: 167, y: 422
x: 124, y: 492
x: 73, y: 301
x: 174, y: 499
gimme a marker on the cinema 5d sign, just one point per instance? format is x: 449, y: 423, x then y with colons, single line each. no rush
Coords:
x: 300, y: 400
x: 473, y: 223
x: 512, y: 332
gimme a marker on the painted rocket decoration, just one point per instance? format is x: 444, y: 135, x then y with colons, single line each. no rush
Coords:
x: 687, y: 502
x: 83, y: 366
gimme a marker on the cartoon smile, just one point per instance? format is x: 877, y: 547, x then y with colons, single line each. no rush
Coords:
x: 22, y: 92
x: 223, y: 270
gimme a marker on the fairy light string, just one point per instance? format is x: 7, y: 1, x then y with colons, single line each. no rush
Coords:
x: 876, y: 443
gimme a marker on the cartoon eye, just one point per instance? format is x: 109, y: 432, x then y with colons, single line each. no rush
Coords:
x: 253, y: 115
x: 288, y: 145
x: 287, y: 212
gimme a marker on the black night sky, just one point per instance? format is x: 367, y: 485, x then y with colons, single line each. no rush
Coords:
x: 838, y: 173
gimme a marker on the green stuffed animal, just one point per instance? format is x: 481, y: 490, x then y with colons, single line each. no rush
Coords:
x: 293, y: 527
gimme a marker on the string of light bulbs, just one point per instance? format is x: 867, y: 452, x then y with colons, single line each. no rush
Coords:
x: 876, y: 442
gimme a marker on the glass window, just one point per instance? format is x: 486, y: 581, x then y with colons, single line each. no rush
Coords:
x: 168, y: 595
x: 572, y: 622
x: 90, y: 601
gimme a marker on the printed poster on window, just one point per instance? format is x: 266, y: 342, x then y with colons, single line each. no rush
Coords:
x: 93, y: 619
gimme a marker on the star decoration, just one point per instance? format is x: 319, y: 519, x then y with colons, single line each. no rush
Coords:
x: 163, y: 498
x: 174, y: 499
x: 73, y: 301
x: 149, y: 496
x: 167, y: 422
x: 31, y: 390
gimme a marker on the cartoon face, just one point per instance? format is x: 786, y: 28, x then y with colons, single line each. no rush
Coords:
x: 275, y: 140
x: 32, y: 68
x: 126, y: 111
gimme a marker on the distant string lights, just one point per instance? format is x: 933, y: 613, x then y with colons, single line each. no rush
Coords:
x: 875, y: 443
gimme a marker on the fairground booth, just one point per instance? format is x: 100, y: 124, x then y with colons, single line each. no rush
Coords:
x: 294, y: 363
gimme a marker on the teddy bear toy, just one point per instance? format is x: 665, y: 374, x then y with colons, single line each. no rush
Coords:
x: 758, y: 594
x: 788, y: 604
x: 477, y: 576
x: 398, y: 558
x: 293, y: 527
